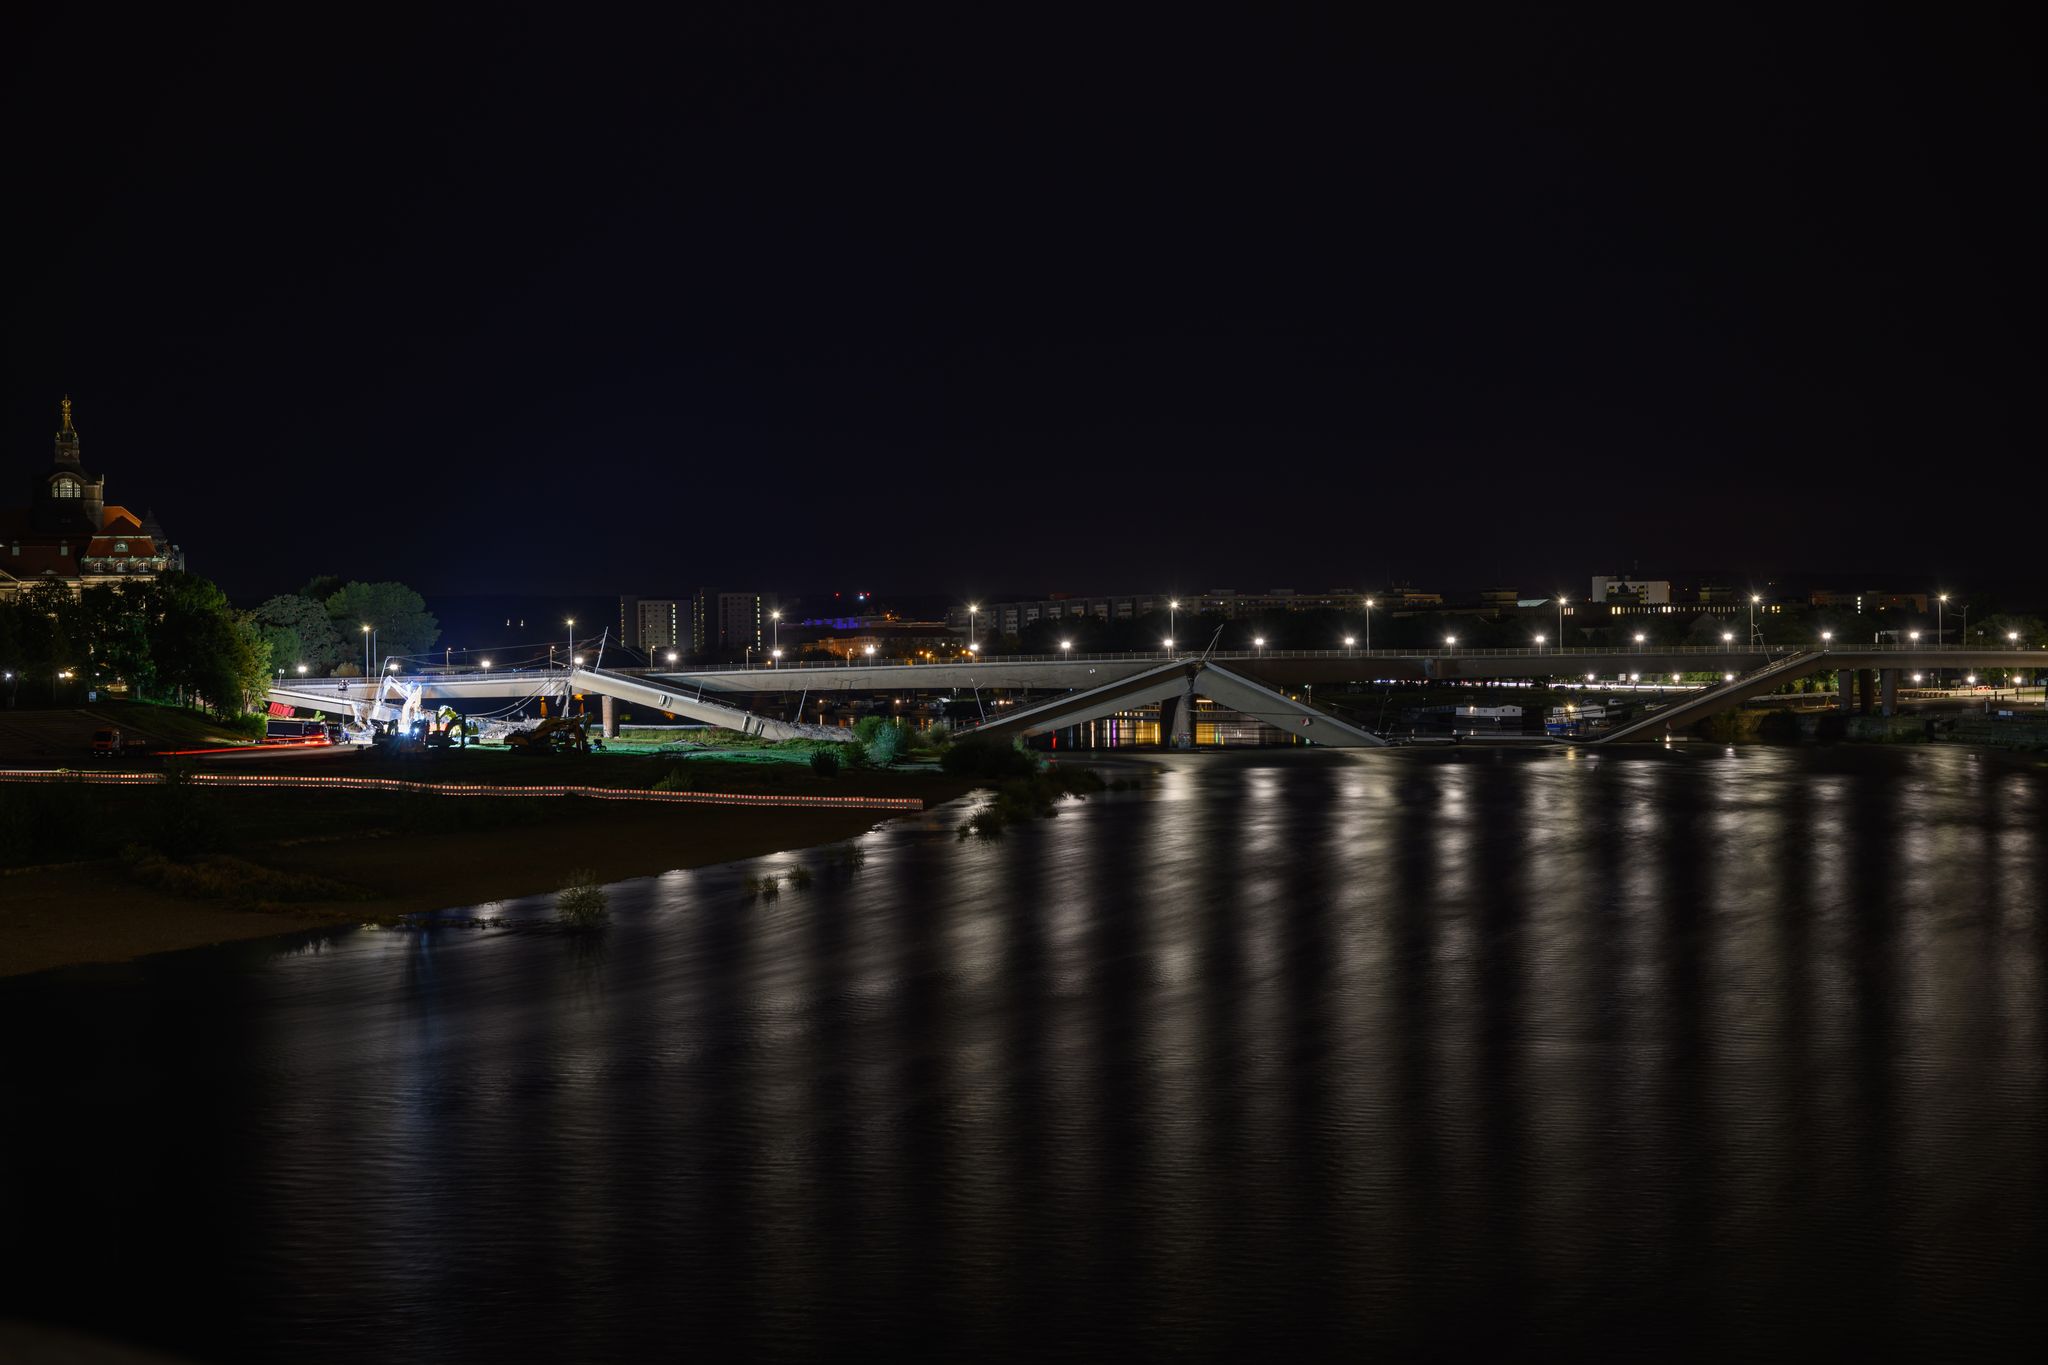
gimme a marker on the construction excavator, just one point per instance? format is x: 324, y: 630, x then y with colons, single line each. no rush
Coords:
x: 556, y: 735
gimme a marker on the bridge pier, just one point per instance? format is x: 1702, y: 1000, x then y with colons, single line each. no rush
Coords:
x: 1888, y: 691
x: 611, y: 717
x: 1845, y: 691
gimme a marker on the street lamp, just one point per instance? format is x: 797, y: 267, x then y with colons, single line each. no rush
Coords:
x: 1258, y: 643
x: 1450, y: 642
x: 1825, y: 637
x: 870, y: 652
x: 972, y: 609
x: 1350, y: 640
x: 1172, y: 610
x: 367, y: 645
x: 1539, y: 641
x: 1640, y: 637
x: 1754, y: 599
x: 1066, y: 645
x: 1168, y: 642
x: 1727, y: 637
x: 1562, y: 603
x: 1940, y: 603
x: 1368, y: 625
x: 777, y: 656
x: 302, y: 670
x: 775, y: 620
x: 486, y: 663
x: 973, y: 648
x: 572, y: 636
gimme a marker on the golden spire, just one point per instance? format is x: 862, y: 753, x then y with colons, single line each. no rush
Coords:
x: 67, y: 412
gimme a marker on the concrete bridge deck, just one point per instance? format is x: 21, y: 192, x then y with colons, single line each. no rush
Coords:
x: 718, y: 696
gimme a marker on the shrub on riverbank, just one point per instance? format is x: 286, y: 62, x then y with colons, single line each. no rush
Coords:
x: 219, y: 876
x: 581, y: 902
x: 994, y: 759
x: 1031, y: 798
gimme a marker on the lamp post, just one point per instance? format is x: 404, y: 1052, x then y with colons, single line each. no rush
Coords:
x: 870, y: 652
x: 1640, y: 637
x: 1450, y: 642
x: 1826, y: 638
x: 1940, y: 604
x: 973, y: 609
x: 366, y: 649
x: 1172, y: 612
x: 302, y: 670
x: 1539, y: 642
x: 572, y: 638
x: 1066, y: 645
x: 775, y: 621
x: 1258, y: 644
x: 1754, y: 638
x: 777, y: 656
x: 1349, y: 641
x: 1168, y: 642
x: 1562, y: 602
x: 1368, y: 625
x: 486, y: 663
x: 671, y: 658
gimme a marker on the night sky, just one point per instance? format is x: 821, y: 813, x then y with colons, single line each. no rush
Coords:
x: 1010, y: 299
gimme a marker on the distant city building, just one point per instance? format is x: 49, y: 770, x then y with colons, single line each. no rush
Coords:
x: 70, y: 536
x: 724, y: 623
x: 1644, y: 592
x: 1870, y: 601
x: 656, y: 624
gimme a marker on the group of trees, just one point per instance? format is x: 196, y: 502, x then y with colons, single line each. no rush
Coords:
x: 321, y: 625
x: 179, y: 638
x: 176, y: 637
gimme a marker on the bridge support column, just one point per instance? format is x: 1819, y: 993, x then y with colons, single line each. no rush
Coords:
x: 611, y: 717
x: 1866, y: 691
x: 1888, y: 691
x: 1845, y: 690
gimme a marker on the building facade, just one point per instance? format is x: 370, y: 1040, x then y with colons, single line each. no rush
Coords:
x: 70, y: 536
x: 727, y: 624
x: 656, y: 625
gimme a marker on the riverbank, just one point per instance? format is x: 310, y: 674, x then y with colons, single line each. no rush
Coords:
x: 387, y: 856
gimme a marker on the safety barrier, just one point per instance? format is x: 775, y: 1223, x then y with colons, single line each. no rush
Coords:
x: 300, y: 781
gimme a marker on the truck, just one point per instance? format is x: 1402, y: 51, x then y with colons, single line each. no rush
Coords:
x: 108, y: 743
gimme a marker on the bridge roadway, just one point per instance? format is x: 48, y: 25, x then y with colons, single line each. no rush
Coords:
x: 1320, y: 667
x: 717, y: 696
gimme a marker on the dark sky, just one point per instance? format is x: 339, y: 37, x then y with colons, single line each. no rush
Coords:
x: 1014, y: 299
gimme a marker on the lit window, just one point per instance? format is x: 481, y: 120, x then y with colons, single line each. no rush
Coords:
x: 120, y: 547
x: 67, y: 488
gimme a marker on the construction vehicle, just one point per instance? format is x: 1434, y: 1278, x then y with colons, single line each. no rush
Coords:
x: 108, y: 744
x: 557, y: 735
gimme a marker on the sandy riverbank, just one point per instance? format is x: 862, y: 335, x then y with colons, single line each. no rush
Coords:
x: 94, y: 912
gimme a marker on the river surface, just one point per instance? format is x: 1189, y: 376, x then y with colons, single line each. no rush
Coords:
x: 1692, y: 1053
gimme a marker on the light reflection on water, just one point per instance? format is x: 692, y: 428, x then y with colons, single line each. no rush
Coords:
x: 1733, y: 1052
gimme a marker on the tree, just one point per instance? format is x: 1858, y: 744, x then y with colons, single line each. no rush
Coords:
x: 397, y: 613
x: 300, y: 631
x: 204, y: 648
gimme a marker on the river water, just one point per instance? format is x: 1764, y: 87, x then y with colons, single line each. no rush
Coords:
x: 1689, y: 1053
